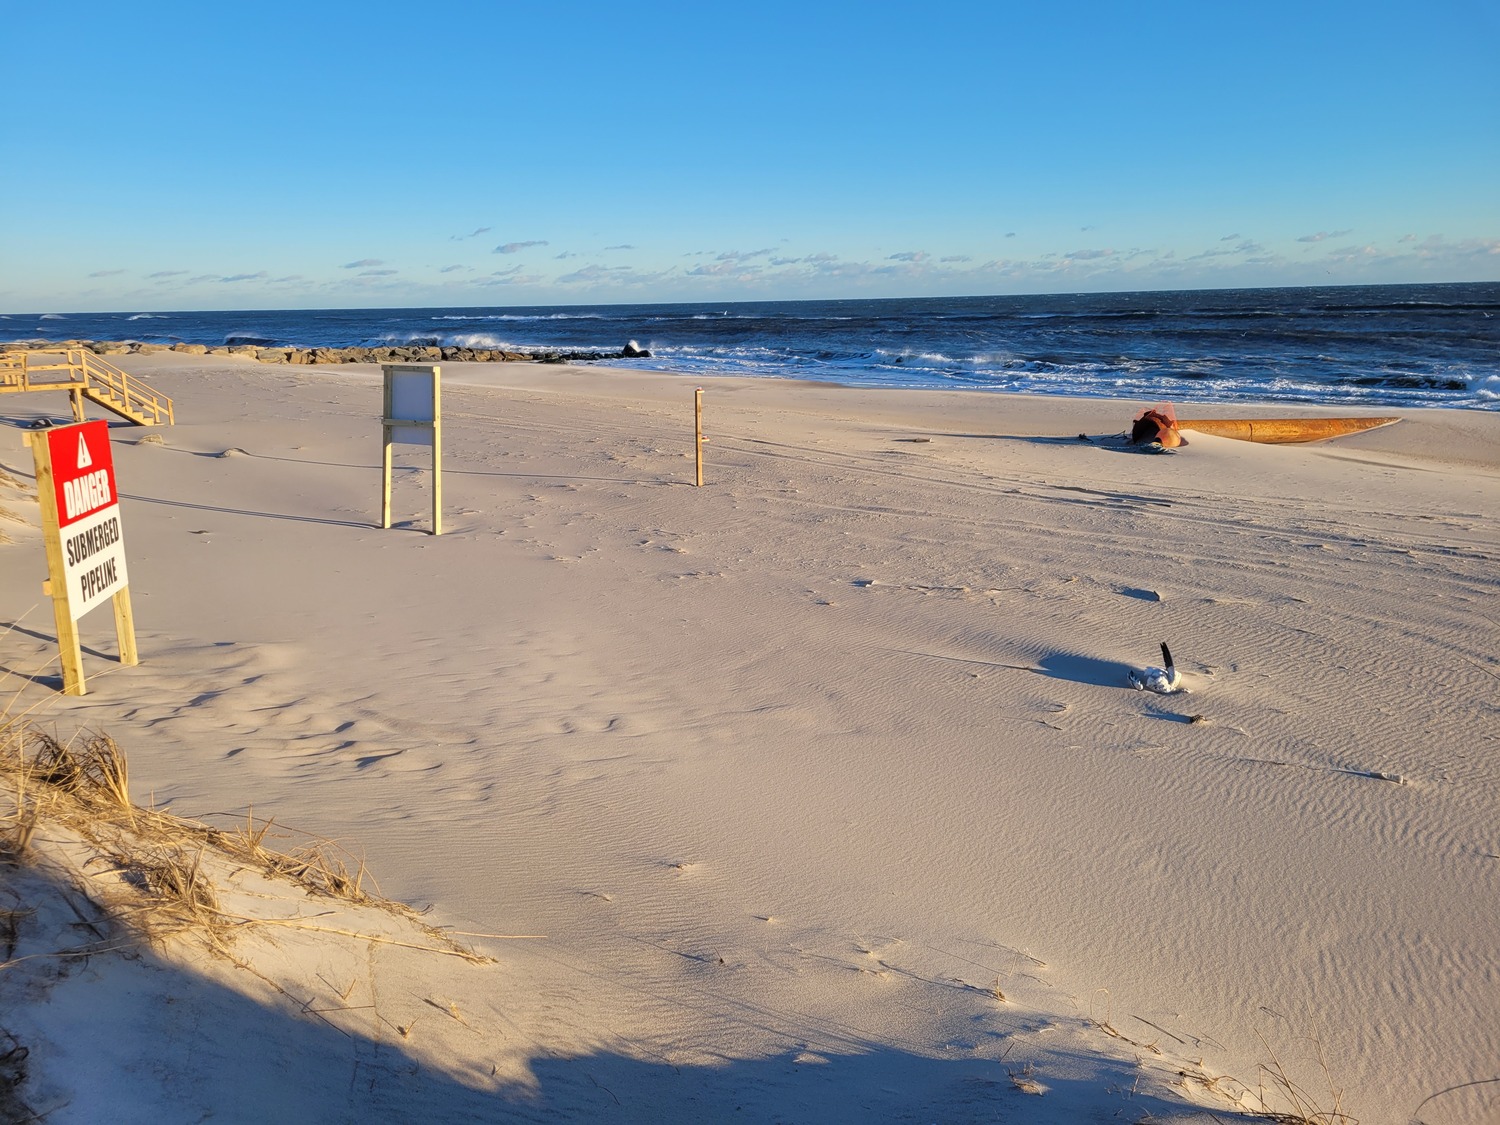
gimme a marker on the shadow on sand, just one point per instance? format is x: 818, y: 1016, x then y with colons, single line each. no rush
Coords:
x: 37, y: 674
x: 127, y: 1037
x: 1082, y: 669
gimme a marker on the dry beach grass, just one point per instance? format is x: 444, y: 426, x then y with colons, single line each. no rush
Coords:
x: 124, y: 879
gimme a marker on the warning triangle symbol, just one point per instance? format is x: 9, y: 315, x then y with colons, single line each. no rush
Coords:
x: 84, y: 460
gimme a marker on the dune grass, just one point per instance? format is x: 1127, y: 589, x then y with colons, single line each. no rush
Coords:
x: 1308, y: 1107
x: 161, y: 860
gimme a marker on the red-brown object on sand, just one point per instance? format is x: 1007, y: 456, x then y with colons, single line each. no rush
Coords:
x: 1157, y: 424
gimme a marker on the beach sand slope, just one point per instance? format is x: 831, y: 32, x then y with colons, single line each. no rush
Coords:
x: 825, y: 783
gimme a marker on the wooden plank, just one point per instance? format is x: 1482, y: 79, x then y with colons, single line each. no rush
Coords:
x: 437, y: 451
x: 385, y: 456
x: 125, y: 627
x: 698, y: 434
x: 29, y: 384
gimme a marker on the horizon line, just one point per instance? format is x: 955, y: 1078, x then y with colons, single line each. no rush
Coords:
x: 135, y: 310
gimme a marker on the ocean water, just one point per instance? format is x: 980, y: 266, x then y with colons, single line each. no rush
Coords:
x: 1359, y: 346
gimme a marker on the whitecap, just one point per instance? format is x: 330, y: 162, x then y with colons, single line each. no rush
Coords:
x: 479, y: 340
x: 521, y: 316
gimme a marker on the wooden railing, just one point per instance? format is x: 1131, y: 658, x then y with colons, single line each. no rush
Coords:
x: 104, y: 381
x: 15, y: 372
x: 80, y: 371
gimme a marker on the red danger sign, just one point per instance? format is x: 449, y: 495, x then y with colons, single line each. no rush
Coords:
x: 90, y: 548
x: 75, y: 478
x: 83, y: 470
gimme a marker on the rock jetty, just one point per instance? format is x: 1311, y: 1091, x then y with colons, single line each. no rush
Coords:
x: 402, y: 353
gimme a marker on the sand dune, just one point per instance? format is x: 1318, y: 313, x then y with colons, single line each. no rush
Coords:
x: 825, y: 782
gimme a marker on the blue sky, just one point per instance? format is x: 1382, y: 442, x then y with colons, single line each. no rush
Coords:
x: 333, y: 154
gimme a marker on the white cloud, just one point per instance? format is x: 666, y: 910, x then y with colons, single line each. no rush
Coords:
x: 590, y: 274
x: 516, y: 280
x: 744, y: 255
x: 1436, y: 246
x: 1244, y: 247
x: 1323, y: 235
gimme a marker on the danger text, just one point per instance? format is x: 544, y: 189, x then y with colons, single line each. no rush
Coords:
x: 83, y: 495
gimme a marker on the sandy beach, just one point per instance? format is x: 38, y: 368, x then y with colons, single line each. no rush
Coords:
x: 816, y: 794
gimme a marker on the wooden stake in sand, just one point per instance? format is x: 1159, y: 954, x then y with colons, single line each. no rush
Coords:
x: 698, y: 433
x: 75, y: 486
x: 413, y: 414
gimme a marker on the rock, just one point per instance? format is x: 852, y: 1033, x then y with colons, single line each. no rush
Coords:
x: 414, y: 351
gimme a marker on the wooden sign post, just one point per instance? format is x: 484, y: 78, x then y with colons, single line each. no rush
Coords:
x: 413, y: 414
x: 698, y: 433
x: 75, y: 486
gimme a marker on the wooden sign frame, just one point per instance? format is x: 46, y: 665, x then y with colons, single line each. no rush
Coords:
x: 413, y: 414
x: 99, y: 507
